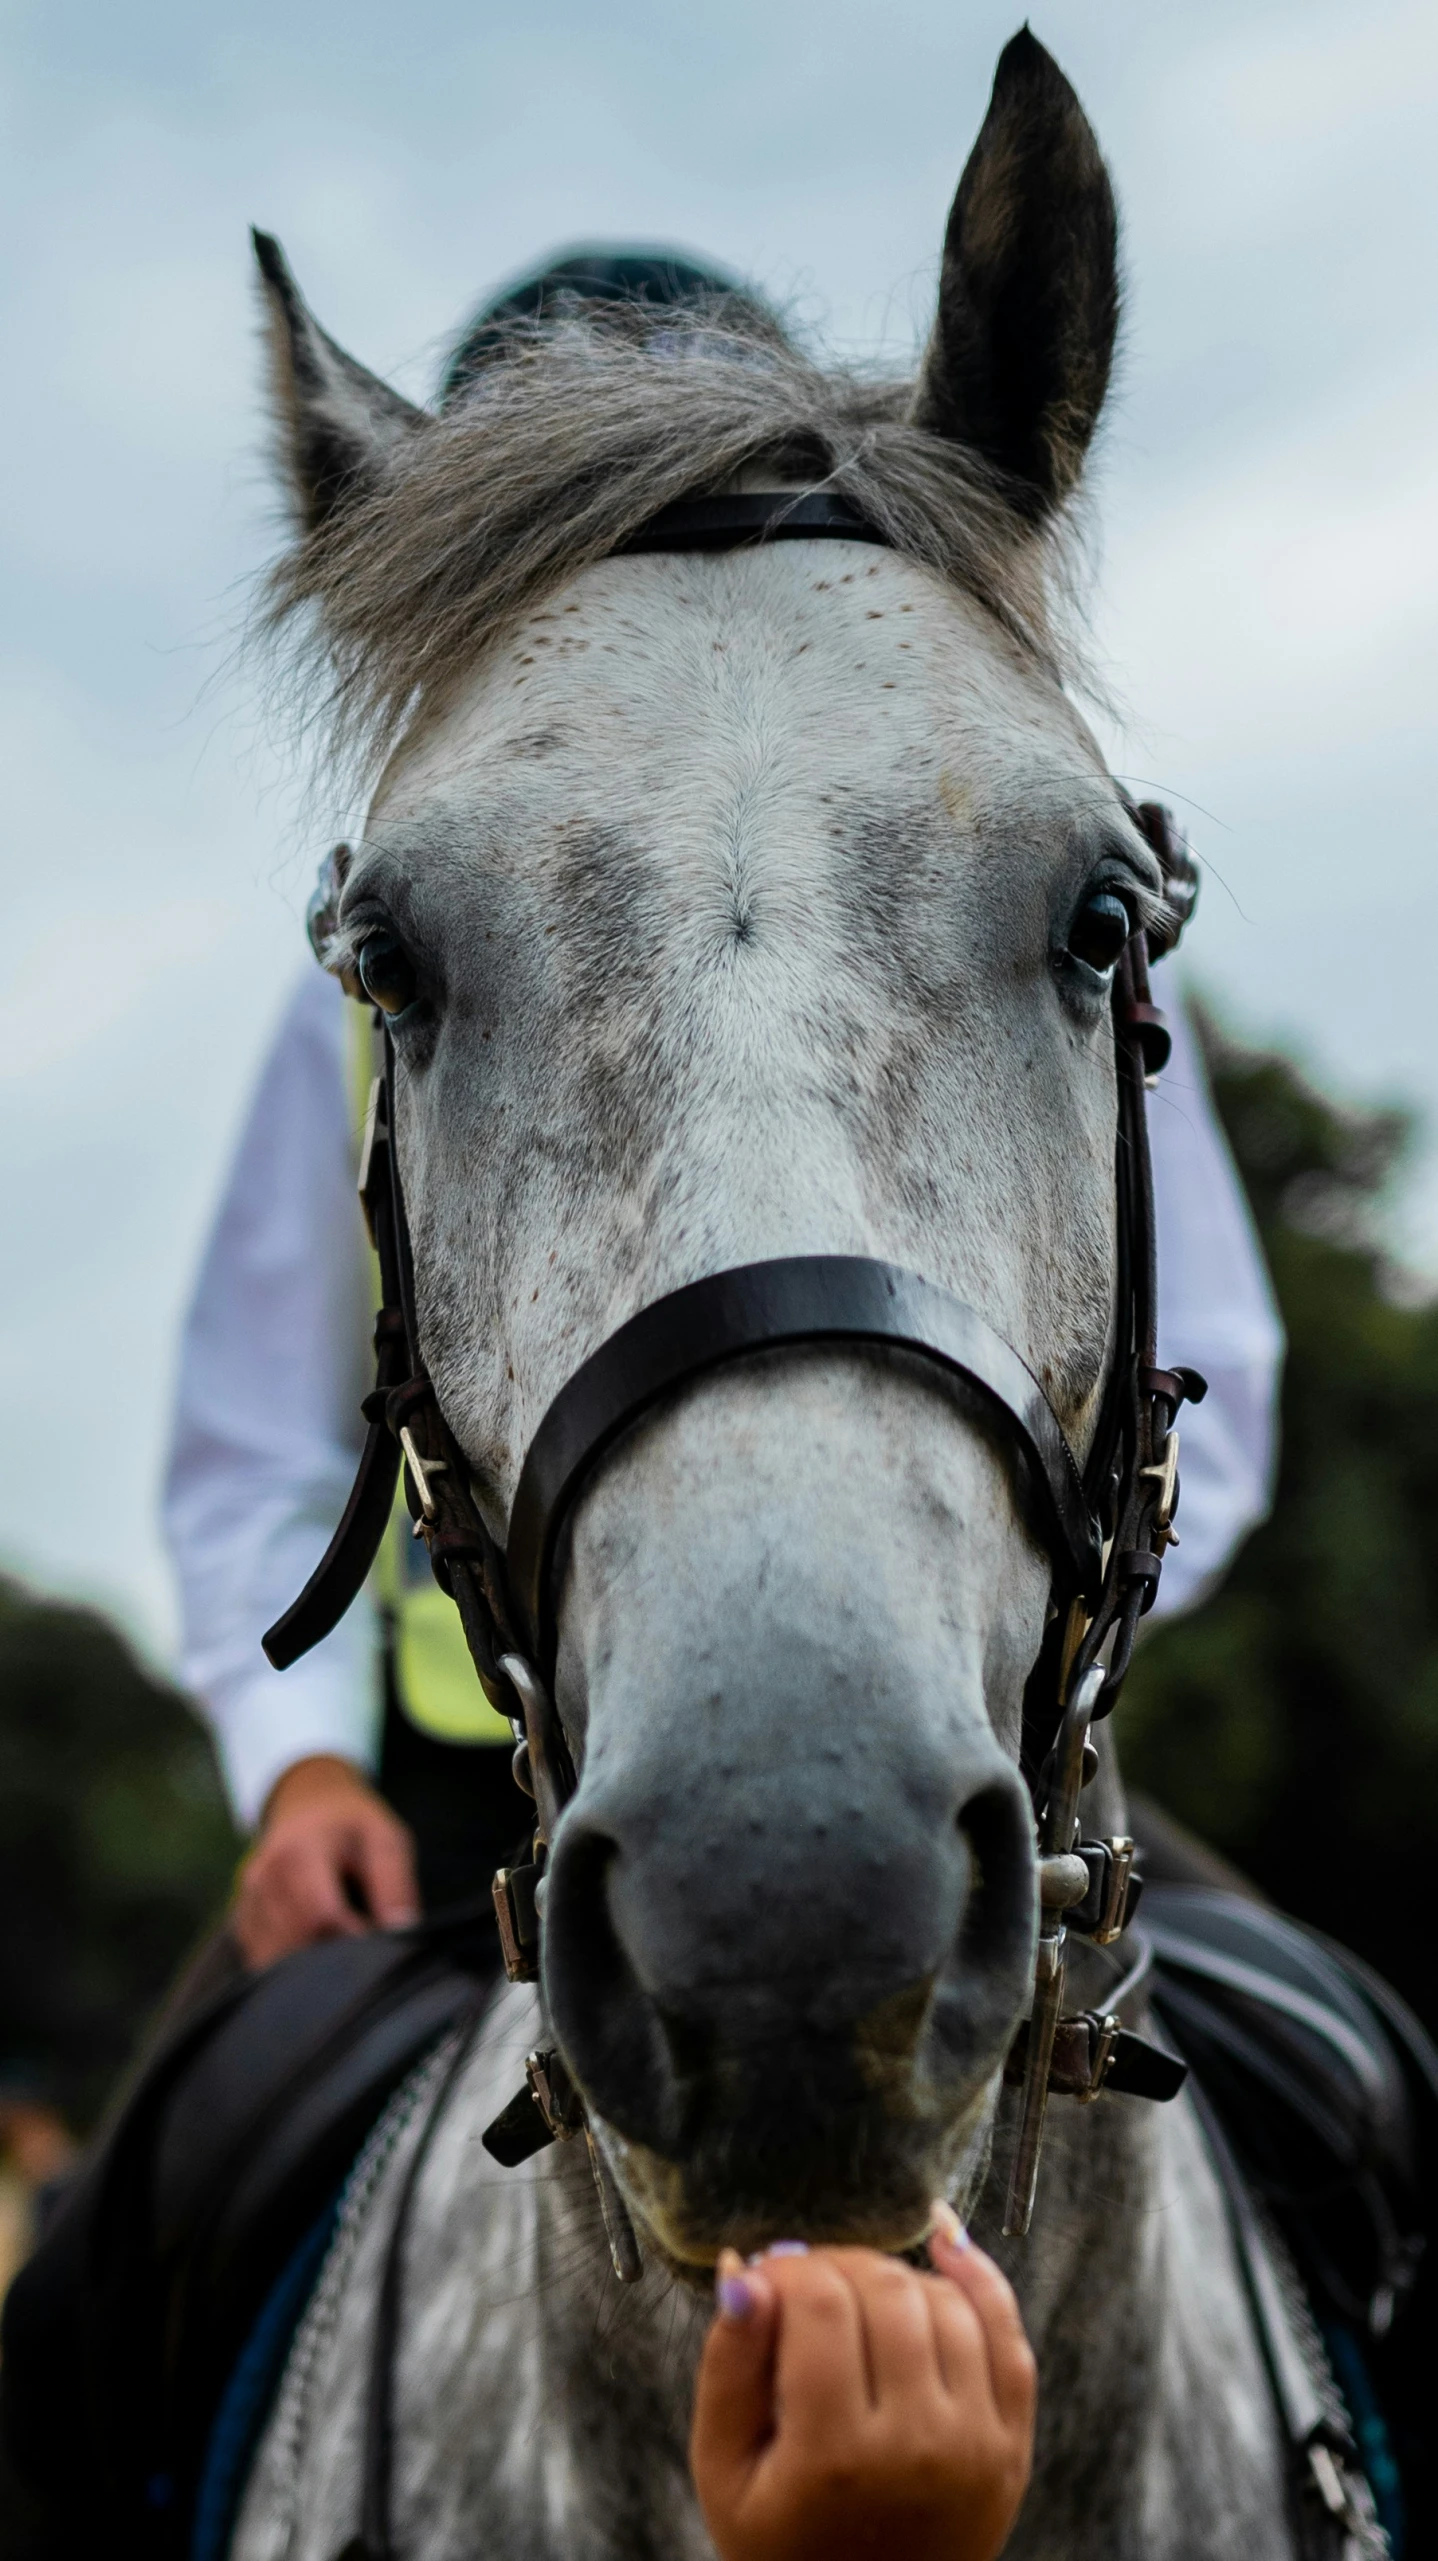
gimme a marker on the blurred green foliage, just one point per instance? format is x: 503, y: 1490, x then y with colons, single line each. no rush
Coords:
x: 116, y: 1849
x: 1293, y: 1720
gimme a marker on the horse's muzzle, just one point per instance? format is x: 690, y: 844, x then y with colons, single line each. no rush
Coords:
x: 788, y: 1992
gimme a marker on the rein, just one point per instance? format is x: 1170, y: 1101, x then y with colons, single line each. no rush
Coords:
x: 1105, y: 1525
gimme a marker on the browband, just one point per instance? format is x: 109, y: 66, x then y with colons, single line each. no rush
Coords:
x: 760, y: 515
x: 755, y: 1307
x: 804, y: 1298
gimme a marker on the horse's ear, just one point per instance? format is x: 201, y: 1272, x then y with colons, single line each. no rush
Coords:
x: 1019, y: 360
x: 338, y: 424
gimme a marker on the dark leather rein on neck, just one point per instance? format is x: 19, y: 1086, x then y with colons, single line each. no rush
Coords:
x: 1105, y: 1525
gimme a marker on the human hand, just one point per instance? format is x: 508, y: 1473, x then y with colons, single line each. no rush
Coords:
x: 848, y: 2406
x: 324, y: 1828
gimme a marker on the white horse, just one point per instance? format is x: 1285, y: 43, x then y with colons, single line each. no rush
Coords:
x: 728, y: 908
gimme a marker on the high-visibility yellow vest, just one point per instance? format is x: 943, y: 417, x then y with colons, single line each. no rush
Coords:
x: 434, y: 1677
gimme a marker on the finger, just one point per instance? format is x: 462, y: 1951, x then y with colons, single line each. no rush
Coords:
x: 960, y: 2345
x: 821, y: 2377
x: 734, y: 2396
x: 900, y: 2348
x: 382, y: 1864
x: 250, y: 1928
x: 987, y: 2289
x: 296, y: 1897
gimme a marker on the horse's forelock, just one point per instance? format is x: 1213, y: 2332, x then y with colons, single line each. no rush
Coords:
x: 572, y: 435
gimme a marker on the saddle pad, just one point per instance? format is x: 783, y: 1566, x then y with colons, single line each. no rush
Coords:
x: 1326, y: 2088
x: 1330, y: 2101
x: 121, y: 2333
x: 247, y: 2397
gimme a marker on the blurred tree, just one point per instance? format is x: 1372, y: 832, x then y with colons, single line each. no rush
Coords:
x: 1293, y: 1719
x: 115, y: 1848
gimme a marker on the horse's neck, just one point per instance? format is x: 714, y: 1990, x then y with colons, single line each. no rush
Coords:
x: 1156, y: 2431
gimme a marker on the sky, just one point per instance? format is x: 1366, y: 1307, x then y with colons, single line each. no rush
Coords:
x: 1266, y: 562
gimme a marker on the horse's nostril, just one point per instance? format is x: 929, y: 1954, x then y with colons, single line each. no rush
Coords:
x: 998, y: 1830
x: 990, y: 1963
x: 605, y: 2020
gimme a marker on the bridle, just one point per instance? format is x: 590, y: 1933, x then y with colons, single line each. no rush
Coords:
x: 1105, y: 1524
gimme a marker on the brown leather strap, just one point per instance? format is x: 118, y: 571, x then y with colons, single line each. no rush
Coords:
x: 807, y: 1298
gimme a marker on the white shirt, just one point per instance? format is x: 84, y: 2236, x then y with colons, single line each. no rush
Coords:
x: 275, y: 1360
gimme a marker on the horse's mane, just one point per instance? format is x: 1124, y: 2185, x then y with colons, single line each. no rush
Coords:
x: 563, y: 442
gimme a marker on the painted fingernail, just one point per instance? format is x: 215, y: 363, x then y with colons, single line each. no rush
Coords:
x: 787, y: 2250
x: 945, y: 2227
x: 733, y: 2292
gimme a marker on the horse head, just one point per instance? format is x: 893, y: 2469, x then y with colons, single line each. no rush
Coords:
x: 727, y: 908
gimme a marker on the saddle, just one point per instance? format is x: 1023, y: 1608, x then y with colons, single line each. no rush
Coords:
x: 1318, y: 2089
x: 225, y: 2156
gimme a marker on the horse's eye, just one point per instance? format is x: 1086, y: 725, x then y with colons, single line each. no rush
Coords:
x: 386, y: 973
x: 1100, y: 930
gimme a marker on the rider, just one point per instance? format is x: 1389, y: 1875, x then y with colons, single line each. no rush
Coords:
x: 373, y: 1772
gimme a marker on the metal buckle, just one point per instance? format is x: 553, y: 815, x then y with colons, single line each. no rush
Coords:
x: 421, y: 1470
x: 1164, y: 1473
x: 517, y: 1915
x: 554, y: 2094
x: 1102, y: 1912
x: 1118, y: 1855
x: 1102, y: 2055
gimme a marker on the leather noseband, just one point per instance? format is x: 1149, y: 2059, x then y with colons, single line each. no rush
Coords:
x: 808, y: 1298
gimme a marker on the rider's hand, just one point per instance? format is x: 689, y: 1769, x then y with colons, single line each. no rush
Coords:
x: 325, y: 1839
x: 849, y: 2406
